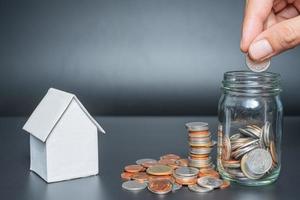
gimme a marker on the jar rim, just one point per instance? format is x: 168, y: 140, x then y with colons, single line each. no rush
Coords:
x: 248, y: 82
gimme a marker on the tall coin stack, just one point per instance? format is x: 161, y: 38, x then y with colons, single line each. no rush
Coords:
x: 201, y: 145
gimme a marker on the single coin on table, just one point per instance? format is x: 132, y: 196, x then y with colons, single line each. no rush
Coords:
x: 208, y: 172
x: 257, y: 66
x: 225, y: 184
x: 182, y: 162
x: 209, y: 182
x: 143, y: 160
x: 160, y: 170
x: 176, y: 186
x: 140, y: 176
x: 163, y: 186
x: 187, y: 171
x: 134, y: 185
x: 133, y: 168
x: 127, y: 175
x: 197, y: 188
x: 170, y: 156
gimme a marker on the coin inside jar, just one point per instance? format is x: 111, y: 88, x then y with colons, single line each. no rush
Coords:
x: 160, y: 186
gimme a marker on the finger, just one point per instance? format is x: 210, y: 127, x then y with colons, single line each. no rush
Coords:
x: 279, y: 5
x: 256, y: 12
x: 287, y: 13
x: 271, y: 20
x: 277, y: 38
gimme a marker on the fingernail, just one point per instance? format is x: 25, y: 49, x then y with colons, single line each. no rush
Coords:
x: 260, y: 49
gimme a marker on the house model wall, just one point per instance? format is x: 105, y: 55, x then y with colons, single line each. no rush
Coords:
x: 63, y: 138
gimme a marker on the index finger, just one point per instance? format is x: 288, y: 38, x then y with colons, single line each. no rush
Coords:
x: 256, y: 12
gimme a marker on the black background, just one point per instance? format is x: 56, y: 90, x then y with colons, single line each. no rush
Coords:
x: 126, y: 57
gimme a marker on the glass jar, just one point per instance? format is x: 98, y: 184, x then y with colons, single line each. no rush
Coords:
x: 250, y: 127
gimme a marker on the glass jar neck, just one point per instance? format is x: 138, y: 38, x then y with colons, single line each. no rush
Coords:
x: 251, y: 83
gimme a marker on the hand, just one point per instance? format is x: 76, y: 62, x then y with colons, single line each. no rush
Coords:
x: 270, y: 27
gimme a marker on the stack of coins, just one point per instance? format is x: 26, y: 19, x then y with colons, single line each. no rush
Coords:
x: 201, y: 145
x: 169, y: 174
x: 250, y: 153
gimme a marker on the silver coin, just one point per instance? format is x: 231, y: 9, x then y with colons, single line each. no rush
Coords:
x: 200, y: 140
x: 240, y: 152
x: 200, y: 151
x: 246, y: 170
x: 143, y: 160
x: 257, y: 66
x: 197, y: 188
x: 258, y: 161
x: 236, y: 173
x: 134, y: 185
x: 186, y: 171
x: 255, y: 130
x: 266, y: 134
x: 248, y: 132
x: 235, y: 136
x: 242, y: 140
x: 176, y: 187
x: 197, y: 126
x: 255, y: 141
x: 209, y: 182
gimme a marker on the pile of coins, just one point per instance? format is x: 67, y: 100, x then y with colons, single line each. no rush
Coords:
x: 201, y: 145
x: 248, y: 154
x: 169, y: 174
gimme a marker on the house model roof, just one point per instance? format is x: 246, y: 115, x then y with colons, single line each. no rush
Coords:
x: 49, y: 111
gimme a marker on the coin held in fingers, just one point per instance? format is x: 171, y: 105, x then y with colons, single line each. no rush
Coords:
x: 257, y: 66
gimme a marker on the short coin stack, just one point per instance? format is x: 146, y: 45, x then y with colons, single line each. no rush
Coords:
x: 250, y: 153
x: 169, y: 174
x: 201, y: 145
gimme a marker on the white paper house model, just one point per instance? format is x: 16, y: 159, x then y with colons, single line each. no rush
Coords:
x: 63, y: 138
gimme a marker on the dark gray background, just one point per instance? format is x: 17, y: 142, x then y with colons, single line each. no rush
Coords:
x: 127, y: 57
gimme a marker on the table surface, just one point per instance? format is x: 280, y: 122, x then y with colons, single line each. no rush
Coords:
x: 128, y: 139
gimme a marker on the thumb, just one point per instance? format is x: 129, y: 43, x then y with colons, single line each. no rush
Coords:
x: 277, y: 38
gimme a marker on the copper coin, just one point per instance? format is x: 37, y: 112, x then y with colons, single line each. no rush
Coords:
x: 225, y: 184
x: 167, y: 161
x: 140, y: 177
x: 168, y: 177
x: 160, y: 186
x: 208, y: 172
x: 133, y: 168
x: 186, y: 181
x: 182, y: 162
x: 149, y: 164
x: 170, y: 156
x: 226, y: 150
x: 127, y: 176
x: 200, y: 156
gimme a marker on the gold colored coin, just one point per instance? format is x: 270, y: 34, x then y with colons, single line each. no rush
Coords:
x: 160, y: 170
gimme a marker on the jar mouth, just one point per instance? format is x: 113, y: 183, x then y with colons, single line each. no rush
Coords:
x: 248, y: 82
